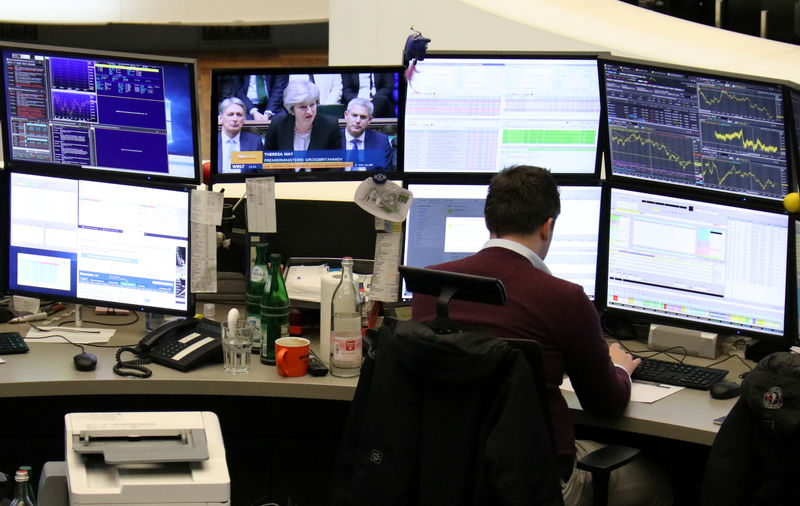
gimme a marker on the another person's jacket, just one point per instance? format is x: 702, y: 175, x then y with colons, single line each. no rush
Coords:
x: 445, y: 419
x: 755, y: 458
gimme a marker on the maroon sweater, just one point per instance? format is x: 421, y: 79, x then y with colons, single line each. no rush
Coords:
x: 558, y: 315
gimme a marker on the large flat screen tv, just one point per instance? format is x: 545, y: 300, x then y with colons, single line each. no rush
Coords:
x: 477, y: 113
x: 310, y: 123
x: 97, y: 242
x: 697, y: 129
x: 78, y: 111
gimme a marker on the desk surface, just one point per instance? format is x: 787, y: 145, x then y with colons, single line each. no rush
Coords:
x: 48, y: 370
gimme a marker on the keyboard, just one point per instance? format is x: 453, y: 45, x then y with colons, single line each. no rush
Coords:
x: 12, y: 342
x: 678, y: 374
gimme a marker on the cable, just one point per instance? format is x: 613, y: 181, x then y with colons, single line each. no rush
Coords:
x: 132, y: 368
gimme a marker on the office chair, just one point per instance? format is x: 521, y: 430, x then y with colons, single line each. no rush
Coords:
x: 754, y: 457
x: 447, y: 285
x: 533, y: 406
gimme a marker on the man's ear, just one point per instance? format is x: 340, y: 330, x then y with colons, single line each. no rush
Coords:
x: 546, y: 230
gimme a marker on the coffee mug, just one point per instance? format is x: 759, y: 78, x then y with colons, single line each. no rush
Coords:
x: 291, y: 355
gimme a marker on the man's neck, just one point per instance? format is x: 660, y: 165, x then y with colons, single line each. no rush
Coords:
x: 530, y: 241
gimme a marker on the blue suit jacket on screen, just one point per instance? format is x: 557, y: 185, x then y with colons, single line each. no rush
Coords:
x: 248, y: 141
x: 374, y: 140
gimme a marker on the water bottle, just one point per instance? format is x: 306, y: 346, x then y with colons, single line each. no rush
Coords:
x: 346, y: 325
x: 274, y: 311
x: 255, y: 290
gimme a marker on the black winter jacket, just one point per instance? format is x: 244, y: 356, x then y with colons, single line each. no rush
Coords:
x: 442, y: 420
x: 755, y: 458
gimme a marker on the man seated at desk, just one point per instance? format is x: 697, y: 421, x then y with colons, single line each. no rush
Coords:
x: 520, y: 212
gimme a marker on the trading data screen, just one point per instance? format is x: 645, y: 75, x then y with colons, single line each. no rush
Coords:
x: 445, y: 222
x: 99, y: 242
x: 101, y: 113
x: 485, y: 113
x: 697, y: 262
x: 696, y: 130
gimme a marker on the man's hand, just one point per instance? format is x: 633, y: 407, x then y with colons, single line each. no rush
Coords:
x: 622, y: 358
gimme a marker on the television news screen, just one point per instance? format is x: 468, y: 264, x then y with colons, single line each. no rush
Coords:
x: 101, y: 243
x: 122, y: 114
x: 306, y: 123
x: 696, y: 129
x: 445, y: 222
x: 479, y: 113
x: 697, y: 264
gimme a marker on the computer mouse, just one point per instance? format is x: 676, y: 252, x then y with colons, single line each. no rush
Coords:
x: 85, y: 361
x: 725, y: 390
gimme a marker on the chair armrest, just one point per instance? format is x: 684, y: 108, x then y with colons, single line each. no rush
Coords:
x: 608, y: 458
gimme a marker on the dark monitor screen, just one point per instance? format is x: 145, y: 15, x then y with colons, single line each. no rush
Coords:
x: 123, y: 114
x: 94, y: 242
x: 329, y: 123
x: 445, y: 222
x: 479, y: 113
x: 697, y: 263
x: 696, y: 129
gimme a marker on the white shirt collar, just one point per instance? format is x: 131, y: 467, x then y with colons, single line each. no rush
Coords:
x: 349, y: 137
x: 518, y: 248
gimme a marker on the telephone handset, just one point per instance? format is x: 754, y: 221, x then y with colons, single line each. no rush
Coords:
x: 182, y: 344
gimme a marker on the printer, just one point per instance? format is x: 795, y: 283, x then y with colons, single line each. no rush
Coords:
x: 174, y: 458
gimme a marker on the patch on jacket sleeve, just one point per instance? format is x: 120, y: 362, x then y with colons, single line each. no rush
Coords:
x: 376, y: 457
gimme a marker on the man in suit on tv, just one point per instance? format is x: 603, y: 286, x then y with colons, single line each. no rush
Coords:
x: 230, y: 137
x: 378, y: 88
x: 262, y: 95
x: 357, y: 136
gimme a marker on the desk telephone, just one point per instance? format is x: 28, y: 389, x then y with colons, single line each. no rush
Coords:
x: 179, y: 344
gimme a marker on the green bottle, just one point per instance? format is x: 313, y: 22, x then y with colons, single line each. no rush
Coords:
x: 274, y: 311
x: 255, y: 291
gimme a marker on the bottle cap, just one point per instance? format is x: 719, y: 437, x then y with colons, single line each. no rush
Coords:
x: 21, y: 475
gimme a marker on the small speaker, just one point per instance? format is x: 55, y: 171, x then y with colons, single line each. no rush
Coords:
x: 697, y: 343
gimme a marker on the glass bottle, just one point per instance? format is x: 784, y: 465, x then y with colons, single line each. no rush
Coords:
x: 23, y: 495
x: 274, y: 311
x: 346, y: 325
x: 255, y: 290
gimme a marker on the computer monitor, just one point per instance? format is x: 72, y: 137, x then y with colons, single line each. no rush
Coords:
x: 445, y: 222
x: 479, y: 113
x: 101, y: 243
x: 697, y: 129
x: 794, y: 95
x: 256, y: 135
x: 84, y: 111
x: 697, y: 264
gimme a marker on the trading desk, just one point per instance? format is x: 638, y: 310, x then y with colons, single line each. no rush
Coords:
x: 270, y: 423
x: 48, y: 370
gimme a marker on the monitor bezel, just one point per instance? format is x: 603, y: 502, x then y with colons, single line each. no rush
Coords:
x: 190, y: 296
x: 792, y: 96
x: 642, y: 318
x: 315, y: 175
x: 421, y: 176
x: 110, y: 175
x: 703, y: 192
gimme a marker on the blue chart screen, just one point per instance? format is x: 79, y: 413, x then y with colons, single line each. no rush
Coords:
x: 100, y: 113
x: 696, y: 130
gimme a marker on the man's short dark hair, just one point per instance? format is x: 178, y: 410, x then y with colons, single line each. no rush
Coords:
x: 520, y: 200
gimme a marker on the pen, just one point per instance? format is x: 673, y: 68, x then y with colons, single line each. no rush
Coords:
x: 29, y: 318
x: 660, y: 385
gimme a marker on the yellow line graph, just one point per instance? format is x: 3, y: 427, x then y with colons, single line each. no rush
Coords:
x: 710, y: 168
x: 716, y: 100
x: 746, y: 143
x: 646, y: 141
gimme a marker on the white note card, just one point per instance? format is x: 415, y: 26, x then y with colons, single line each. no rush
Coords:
x: 207, y: 207
x: 385, y: 275
x: 260, y: 192
x: 204, y: 258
